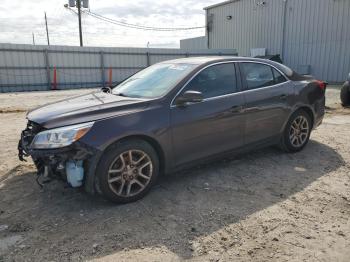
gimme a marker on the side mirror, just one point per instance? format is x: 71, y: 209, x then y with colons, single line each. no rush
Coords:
x: 106, y: 89
x: 189, y: 96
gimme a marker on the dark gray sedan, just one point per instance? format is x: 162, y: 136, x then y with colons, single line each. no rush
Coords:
x: 168, y: 116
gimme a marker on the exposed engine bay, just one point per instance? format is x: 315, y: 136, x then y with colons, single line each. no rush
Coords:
x: 68, y: 163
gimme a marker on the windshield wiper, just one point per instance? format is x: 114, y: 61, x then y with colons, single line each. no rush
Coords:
x: 99, y: 99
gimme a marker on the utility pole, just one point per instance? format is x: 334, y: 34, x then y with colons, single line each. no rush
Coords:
x: 33, y: 38
x: 47, y: 31
x: 77, y: 3
x: 79, y: 18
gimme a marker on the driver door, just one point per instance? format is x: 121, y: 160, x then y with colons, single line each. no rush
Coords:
x: 213, y: 125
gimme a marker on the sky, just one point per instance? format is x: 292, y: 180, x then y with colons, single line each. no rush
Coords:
x: 19, y: 19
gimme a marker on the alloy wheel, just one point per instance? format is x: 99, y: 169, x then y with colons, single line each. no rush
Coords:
x: 299, y: 131
x: 130, y: 173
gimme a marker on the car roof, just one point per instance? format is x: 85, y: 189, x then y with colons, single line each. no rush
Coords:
x: 211, y: 59
x: 207, y: 60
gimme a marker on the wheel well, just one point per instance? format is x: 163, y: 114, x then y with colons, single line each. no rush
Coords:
x: 153, y: 143
x: 309, y: 112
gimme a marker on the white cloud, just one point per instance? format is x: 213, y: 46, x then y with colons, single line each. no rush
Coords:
x: 18, y: 19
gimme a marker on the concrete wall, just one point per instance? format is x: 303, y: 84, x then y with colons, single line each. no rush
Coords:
x: 28, y: 67
x: 312, y: 36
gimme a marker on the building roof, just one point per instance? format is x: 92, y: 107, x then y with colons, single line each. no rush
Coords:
x: 219, y: 4
x: 192, y: 38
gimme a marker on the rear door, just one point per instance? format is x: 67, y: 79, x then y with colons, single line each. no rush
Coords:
x: 214, y: 125
x: 268, y: 95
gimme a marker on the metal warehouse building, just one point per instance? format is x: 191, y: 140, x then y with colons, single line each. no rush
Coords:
x: 312, y: 36
x: 194, y: 43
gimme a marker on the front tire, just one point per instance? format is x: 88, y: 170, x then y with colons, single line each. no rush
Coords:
x: 297, y: 132
x: 127, y: 171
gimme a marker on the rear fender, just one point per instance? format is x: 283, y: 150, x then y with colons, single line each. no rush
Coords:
x: 302, y: 106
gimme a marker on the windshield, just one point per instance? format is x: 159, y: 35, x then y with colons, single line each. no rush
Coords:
x: 154, y: 81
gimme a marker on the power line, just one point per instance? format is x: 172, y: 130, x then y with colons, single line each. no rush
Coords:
x: 140, y: 27
x: 121, y: 23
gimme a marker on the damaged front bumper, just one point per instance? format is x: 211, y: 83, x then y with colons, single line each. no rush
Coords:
x: 51, y: 163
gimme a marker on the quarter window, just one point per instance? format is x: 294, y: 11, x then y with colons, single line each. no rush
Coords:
x: 215, y: 81
x: 279, y: 78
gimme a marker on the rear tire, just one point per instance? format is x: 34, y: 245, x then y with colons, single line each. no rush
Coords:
x: 345, y: 95
x: 297, y: 132
x: 127, y: 171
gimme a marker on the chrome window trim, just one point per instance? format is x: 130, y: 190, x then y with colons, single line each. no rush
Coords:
x: 210, y: 99
x: 239, y: 92
x: 264, y: 87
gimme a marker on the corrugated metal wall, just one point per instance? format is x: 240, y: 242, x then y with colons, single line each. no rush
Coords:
x: 311, y: 35
x: 250, y: 27
x: 28, y: 67
x: 318, y: 34
x: 194, y: 43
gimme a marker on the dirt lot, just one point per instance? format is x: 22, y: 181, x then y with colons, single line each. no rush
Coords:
x: 262, y: 206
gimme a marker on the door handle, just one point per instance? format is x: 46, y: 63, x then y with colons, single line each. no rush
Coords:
x: 283, y: 97
x: 236, y: 109
x: 251, y: 109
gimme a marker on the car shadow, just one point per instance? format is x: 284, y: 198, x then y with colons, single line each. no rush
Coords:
x: 67, y: 224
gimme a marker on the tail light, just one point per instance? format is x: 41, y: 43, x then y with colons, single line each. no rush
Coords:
x: 321, y: 84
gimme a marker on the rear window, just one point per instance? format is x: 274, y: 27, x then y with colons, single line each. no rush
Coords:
x: 289, y: 73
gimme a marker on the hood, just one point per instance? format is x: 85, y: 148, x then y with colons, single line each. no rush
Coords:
x: 85, y: 108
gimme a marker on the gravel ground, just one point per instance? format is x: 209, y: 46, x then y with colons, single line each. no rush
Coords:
x: 261, y: 206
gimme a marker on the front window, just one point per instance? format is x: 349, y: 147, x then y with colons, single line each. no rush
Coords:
x: 216, y: 80
x: 154, y: 81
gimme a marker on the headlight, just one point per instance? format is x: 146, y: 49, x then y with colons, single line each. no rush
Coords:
x: 60, y: 137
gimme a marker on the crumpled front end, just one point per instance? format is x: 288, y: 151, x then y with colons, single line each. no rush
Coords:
x: 75, y: 163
